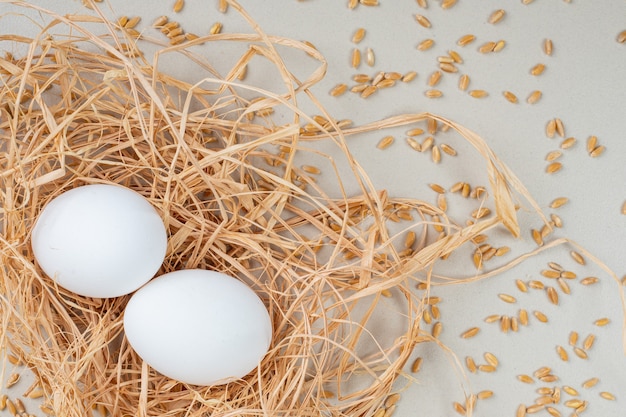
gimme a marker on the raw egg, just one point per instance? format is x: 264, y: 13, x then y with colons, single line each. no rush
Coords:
x: 199, y: 327
x: 99, y: 240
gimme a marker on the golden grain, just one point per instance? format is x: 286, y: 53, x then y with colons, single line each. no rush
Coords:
x: 571, y: 391
x: 356, y: 58
x: 505, y: 324
x: 216, y: 28
x: 521, y: 285
x: 36, y: 393
x: 499, y: 46
x: 160, y: 21
x: 393, y: 76
x: 446, y: 4
x: 592, y: 142
x: 469, y: 333
x: 369, y: 2
x: 466, y: 40
x: 507, y: 298
x: 536, y: 235
x: 560, y: 350
x: 12, y: 408
x: 493, y: 318
x: 416, y: 365
x: 471, y: 365
x: 178, y: 6
x: 414, y: 144
x: 591, y: 382
x: 573, y: 338
x: 568, y: 143
x: 433, y: 93
x: 553, y: 411
x: 556, y: 267
x: 379, y: 413
x: 560, y: 128
x: 425, y: 45
x: 175, y: 32
x: 580, y: 353
x: 537, y: 69
x: 486, y: 47
x: 553, y: 296
x: 122, y: 21
x: 478, y: 93
x: 368, y: 91
x: 573, y: 403
x: 608, y: 395
x: 563, y: 285
x: 559, y: 202
x: 428, y: 142
x: 588, y: 342
x: 534, y: 97
x: 554, y: 167
x: 434, y: 78
x: 481, y: 212
x: 491, y: 359
x: 448, y: 149
x: 409, y: 76
x: 502, y: 250
x: 445, y: 59
x: 448, y: 67
x: 385, y: 83
x: 526, y: 379
x: 510, y: 97
x: 553, y: 155
x: 437, y: 329
x: 537, y: 285
x: 369, y: 56
x: 464, y: 82
x: 589, y: 281
x: 437, y: 188
x: 551, y: 128
x: 12, y: 380
x: 338, y: 90
x: 523, y: 317
x: 547, y: 46
x: 487, y: 368
x: 597, y: 151
x: 3, y: 401
x: 358, y: 35
x: 540, y: 316
x: 455, y: 56
x: 521, y: 411
x: 496, y: 16
x: 621, y: 37
x: 465, y: 191
x: 459, y: 408
x: 423, y: 21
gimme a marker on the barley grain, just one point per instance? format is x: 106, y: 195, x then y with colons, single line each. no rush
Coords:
x: 416, y: 365
x: 523, y: 317
x: 496, y: 16
x: 466, y: 40
x: 369, y: 56
x: 510, y: 97
x: 486, y: 47
x: 568, y: 143
x: 425, y: 45
x: 554, y: 167
x: 499, y: 46
x: 433, y: 93
x: 338, y: 90
x: 560, y: 350
x: 580, y: 353
x: 469, y: 333
x: 540, y: 316
x: 358, y: 35
x: 423, y: 20
x: 471, y: 365
x: 537, y: 69
x: 434, y: 78
x: 589, y: 281
x: 534, y: 97
x: 478, y: 93
x: 607, y: 395
x: 178, y: 6
x: 355, y: 61
x: 409, y: 76
x: 547, y: 47
x: 526, y: 379
x: 597, y: 151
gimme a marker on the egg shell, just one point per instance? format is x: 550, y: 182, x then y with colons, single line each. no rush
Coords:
x: 99, y: 240
x: 199, y: 327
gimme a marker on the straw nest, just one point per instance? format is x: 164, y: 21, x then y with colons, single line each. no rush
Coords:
x: 87, y: 109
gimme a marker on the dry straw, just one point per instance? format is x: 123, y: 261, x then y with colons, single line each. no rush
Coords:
x: 196, y: 151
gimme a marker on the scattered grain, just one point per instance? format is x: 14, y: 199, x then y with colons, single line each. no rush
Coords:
x: 536, y: 285
x: 222, y: 6
x: 338, y: 90
x: 358, y: 35
x: 554, y: 167
x: 178, y: 6
x: 499, y: 46
x: 409, y: 76
x: 433, y: 93
x: 355, y: 61
x: 486, y: 47
x: 507, y: 298
x: 591, y: 382
x: 526, y: 379
x: 487, y: 368
x: 505, y: 324
x: 588, y: 342
x: 414, y: 144
x: 602, y: 322
x: 464, y: 82
x: 553, y: 296
x: 448, y: 149
x: 492, y: 318
x: 368, y: 91
x: 589, y: 280
x: 568, y: 275
x: 537, y: 69
x: 436, y: 154
x: 369, y: 56
x: 573, y: 338
x: 437, y: 329
x: 547, y: 47
x: 536, y: 235
x: 510, y: 97
x: 502, y: 250
x: 425, y: 45
x: 423, y: 20
x: 448, y: 67
x: 553, y: 155
x: 560, y: 350
x: 12, y: 408
x: 160, y: 21
x: 478, y: 93
x: 534, y: 97
x: 469, y: 333
x: 491, y: 359
x: 597, y: 151
x: 434, y: 78
x: 459, y: 408
x: 553, y: 411
x: 416, y: 365
x: 607, y: 395
x: 446, y: 4
x: 592, y: 142
x: 216, y: 28
x: 571, y: 391
x: 3, y: 401
x: 12, y: 380
x: 523, y: 317
x: 471, y: 365
x: 369, y: 2
x: 573, y: 403
x: 496, y: 16
x: 580, y: 353
x: 466, y: 40
x: 568, y: 143
x: 521, y: 411
x: 540, y: 316
x: 521, y: 285
x: 551, y: 128
x: 564, y: 286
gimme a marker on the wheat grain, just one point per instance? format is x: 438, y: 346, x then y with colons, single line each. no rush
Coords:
x: 437, y: 329
x: 534, y: 97
x: 160, y: 21
x: 492, y: 318
x: 355, y: 61
x: 487, y: 368
x: 469, y: 333
x: 368, y: 91
x: 573, y: 403
x: 358, y: 35
x: 554, y: 167
x: 338, y: 90
x: 553, y: 411
x: 547, y: 47
x: 568, y: 143
x: 523, y: 317
x: 526, y: 379
x: 370, y: 59
x: 496, y: 16
x: 580, y: 353
x: 433, y: 93
x: 178, y: 6
x: 537, y: 69
x: 464, y: 82
x: 434, y: 78
x: 425, y: 45
x: 540, y: 316
x: 491, y: 359
x: 591, y: 382
x: 423, y: 20
x: 478, y: 93
x: 521, y: 411
x: 507, y: 298
x: 486, y: 47
x: 521, y: 285
x: 510, y: 97
x: 448, y: 67
x: 571, y: 391
x: 553, y: 155
x: 562, y: 353
x: 416, y: 365
x: 466, y: 40
x: 607, y: 395
x: 499, y: 46
x: 589, y: 281
x: 409, y: 76
x: 563, y: 285
x: 597, y: 151
x: 471, y: 365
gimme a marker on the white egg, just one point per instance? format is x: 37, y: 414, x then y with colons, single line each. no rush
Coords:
x: 99, y: 240
x: 199, y: 327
